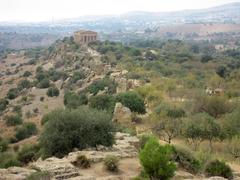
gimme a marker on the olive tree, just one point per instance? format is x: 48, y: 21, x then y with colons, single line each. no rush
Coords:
x: 67, y: 129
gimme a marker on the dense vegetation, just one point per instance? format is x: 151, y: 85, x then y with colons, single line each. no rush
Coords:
x: 78, y: 128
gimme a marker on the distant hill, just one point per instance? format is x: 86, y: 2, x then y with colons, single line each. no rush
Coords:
x: 228, y: 13
x: 22, y: 41
x: 177, y: 24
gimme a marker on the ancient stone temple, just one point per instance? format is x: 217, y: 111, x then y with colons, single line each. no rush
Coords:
x: 84, y: 37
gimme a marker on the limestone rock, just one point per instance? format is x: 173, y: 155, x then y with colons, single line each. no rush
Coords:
x: 16, y: 173
x: 122, y: 84
x: 58, y: 168
x: 133, y: 83
x: 122, y: 114
x: 125, y: 147
x: 183, y: 175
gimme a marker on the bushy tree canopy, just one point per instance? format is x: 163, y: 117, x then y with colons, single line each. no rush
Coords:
x: 156, y: 160
x: 133, y: 101
x: 80, y: 128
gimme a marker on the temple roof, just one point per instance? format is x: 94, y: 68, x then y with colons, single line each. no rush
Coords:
x: 85, y: 31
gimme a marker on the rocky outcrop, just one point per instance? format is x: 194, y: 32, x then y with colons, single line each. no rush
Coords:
x: 15, y: 173
x: 58, y: 168
x: 122, y: 114
x: 122, y: 84
x: 125, y: 147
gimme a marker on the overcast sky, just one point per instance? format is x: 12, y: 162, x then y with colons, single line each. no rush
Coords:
x: 45, y: 10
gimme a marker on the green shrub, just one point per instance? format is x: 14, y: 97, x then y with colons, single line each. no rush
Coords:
x: 175, y: 113
x: 111, y: 163
x: 134, y: 52
x: 41, y: 98
x: 143, y: 139
x: 43, y: 84
x: 41, y: 76
x: 39, y: 175
x: 157, y: 161
x: 234, y: 147
x: 103, y: 102
x: 186, y: 160
x: 24, y: 84
x: 27, y: 74
x: 79, y: 128
x: 218, y: 168
x: 73, y: 100
x: 15, y: 148
x: 25, y: 131
x: 28, y: 153
x: 13, y: 120
x: 133, y: 101
x: 100, y: 85
x: 3, y: 145
x: 82, y: 161
x: 3, y: 104
x: 77, y: 76
x: 18, y: 109
x: 12, y: 93
x: 204, y: 157
x: 56, y: 75
x: 53, y: 91
x: 8, y: 159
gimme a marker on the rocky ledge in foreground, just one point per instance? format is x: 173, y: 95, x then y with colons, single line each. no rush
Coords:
x: 125, y: 147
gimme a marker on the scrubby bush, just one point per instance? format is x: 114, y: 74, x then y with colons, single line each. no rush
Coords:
x: 53, y: 91
x: 41, y: 76
x: 77, y: 76
x: 24, y: 84
x: 185, y: 159
x: 27, y: 74
x: 100, y: 85
x: 18, y: 109
x: 134, y: 52
x: 231, y: 124
x: 15, y: 148
x: 45, y: 83
x: 218, y: 168
x: 202, y: 127
x: 111, y: 163
x: 175, y: 112
x: 25, y: 131
x: 82, y: 161
x: 12, y: 93
x: 3, y: 145
x: 133, y: 101
x: 103, y: 102
x: 203, y: 156
x: 39, y: 175
x: 215, y: 106
x: 8, y: 159
x: 73, y: 100
x: 3, y: 104
x: 168, y: 128
x: 28, y: 153
x: 13, y: 120
x: 157, y: 161
x: 143, y: 139
x: 79, y: 128
x: 234, y: 146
